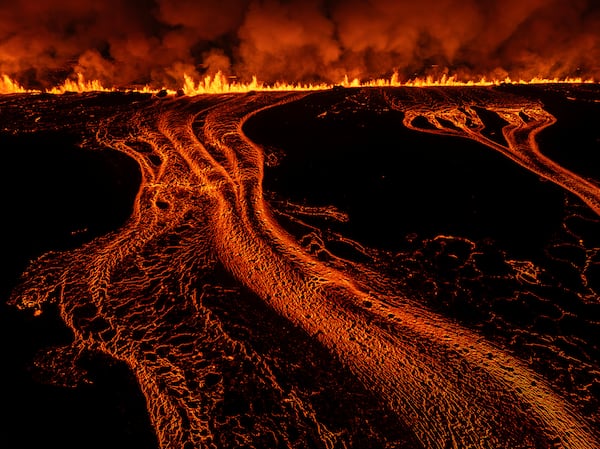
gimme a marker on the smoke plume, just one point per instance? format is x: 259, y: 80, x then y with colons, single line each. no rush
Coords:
x: 137, y: 42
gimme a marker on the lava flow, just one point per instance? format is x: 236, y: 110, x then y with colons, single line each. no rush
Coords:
x: 524, y: 120
x: 140, y: 294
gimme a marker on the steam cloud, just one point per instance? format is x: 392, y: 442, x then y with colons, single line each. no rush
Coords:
x: 134, y: 42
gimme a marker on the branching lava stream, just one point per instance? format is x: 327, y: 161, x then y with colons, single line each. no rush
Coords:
x: 138, y: 293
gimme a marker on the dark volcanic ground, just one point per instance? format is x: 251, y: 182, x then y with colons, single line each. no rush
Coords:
x: 400, y: 182
x: 57, y: 196
x: 463, y: 223
x: 446, y: 219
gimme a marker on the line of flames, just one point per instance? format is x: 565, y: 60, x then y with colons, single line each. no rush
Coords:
x: 221, y: 84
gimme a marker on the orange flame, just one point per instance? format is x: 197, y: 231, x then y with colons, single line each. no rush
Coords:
x: 222, y: 84
x: 9, y: 86
x: 453, y: 80
x: 80, y: 86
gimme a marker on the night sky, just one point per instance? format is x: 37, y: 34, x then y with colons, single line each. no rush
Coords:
x: 132, y: 42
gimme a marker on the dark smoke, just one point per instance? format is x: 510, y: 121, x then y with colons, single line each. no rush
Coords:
x: 135, y: 42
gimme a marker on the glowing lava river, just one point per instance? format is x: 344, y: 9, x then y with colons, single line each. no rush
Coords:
x: 243, y: 325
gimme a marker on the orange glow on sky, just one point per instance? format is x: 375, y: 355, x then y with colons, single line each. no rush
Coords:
x: 132, y: 44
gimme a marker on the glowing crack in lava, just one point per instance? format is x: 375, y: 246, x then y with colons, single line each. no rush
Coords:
x: 139, y: 294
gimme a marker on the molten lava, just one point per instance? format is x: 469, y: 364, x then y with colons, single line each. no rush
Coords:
x: 199, y: 291
x: 221, y: 84
x: 140, y: 293
x: 9, y: 86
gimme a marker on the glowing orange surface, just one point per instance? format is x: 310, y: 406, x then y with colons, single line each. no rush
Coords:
x: 201, y: 205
